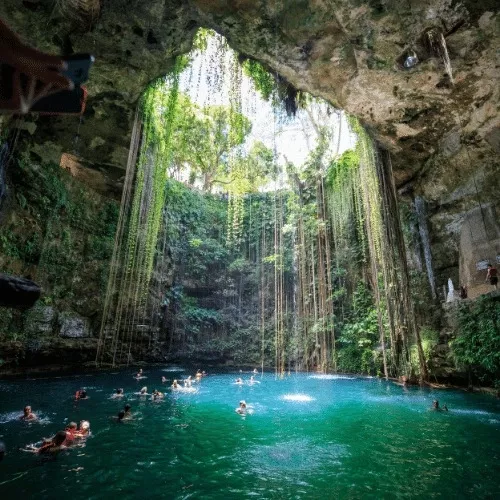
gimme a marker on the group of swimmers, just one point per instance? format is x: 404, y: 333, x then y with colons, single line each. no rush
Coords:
x: 244, y: 408
x: 74, y: 435
x: 70, y: 436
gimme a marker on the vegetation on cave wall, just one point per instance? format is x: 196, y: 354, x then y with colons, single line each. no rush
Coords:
x: 212, y: 309
x: 59, y: 233
x: 476, y: 346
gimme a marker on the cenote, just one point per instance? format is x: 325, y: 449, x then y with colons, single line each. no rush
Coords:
x: 309, y: 188
x: 308, y: 436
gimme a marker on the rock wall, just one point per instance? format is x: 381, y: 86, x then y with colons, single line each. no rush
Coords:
x: 441, y: 126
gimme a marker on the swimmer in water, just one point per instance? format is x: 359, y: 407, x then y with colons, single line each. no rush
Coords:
x: 157, y: 395
x: 81, y: 394
x: 175, y: 384
x: 188, y: 381
x: 84, y: 430
x: 255, y: 371
x: 198, y: 375
x: 238, y: 381
x: 127, y: 413
x: 50, y: 446
x: 28, y: 414
x: 144, y: 391
x: 120, y: 417
x: 71, y: 432
x: 242, y: 408
x: 163, y: 380
x: 253, y: 381
x: 435, y: 406
x: 118, y: 394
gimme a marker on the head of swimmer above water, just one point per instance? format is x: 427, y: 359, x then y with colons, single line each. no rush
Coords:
x: 84, y: 426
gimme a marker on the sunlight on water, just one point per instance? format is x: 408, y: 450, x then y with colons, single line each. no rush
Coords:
x: 300, y: 398
x: 332, y: 377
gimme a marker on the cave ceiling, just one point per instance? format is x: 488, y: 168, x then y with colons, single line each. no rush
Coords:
x: 349, y: 52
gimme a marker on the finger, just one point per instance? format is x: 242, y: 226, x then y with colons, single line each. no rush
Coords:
x: 39, y: 58
x: 49, y: 76
x: 7, y: 35
x: 35, y: 68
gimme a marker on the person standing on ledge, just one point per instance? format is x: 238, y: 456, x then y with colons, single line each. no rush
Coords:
x: 492, y: 275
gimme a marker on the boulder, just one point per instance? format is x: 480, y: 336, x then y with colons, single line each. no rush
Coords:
x: 74, y: 326
x: 18, y: 292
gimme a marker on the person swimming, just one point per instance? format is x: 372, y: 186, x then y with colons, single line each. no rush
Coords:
x: 253, y: 381
x: 435, y: 406
x: 51, y: 446
x: 139, y: 375
x: 143, y: 391
x: 118, y: 394
x: 128, y: 413
x: 255, y: 371
x: 71, y: 432
x: 242, y: 408
x: 198, y: 375
x: 175, y: 384
x: 83, y: 431
x: 163, y: 380
x: 238, y: 381
x: 188, y: 381
x: 81, y: 394
x: 157, y: 395
x: 28, y: 414
x: 120, y: 417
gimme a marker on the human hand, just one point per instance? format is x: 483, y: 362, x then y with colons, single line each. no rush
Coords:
x: 32, y: 73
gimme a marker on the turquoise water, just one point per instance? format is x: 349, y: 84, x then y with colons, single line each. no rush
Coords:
x: 308, y: 437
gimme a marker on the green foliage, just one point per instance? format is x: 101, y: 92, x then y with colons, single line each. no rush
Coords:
x: 273, y: 87
x: 477, y: 342
x: 264, y: 81
x: 357, y: 343
x: 200, y: 40
x: 58, y: 233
